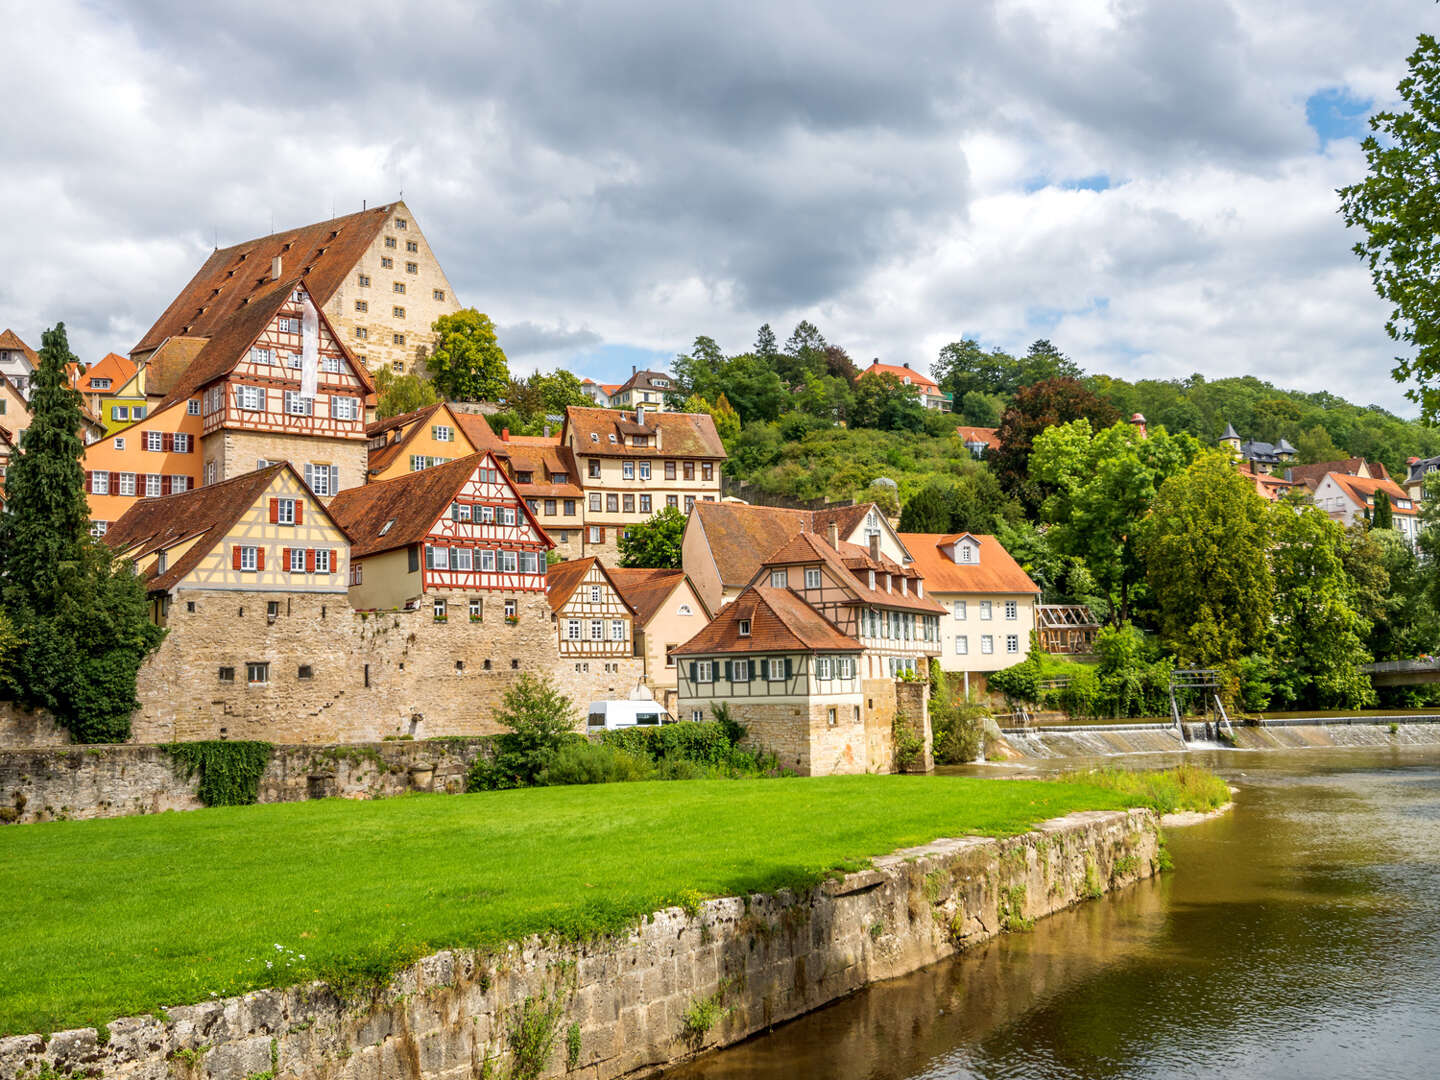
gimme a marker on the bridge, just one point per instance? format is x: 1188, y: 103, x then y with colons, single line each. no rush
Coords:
x: 1403, y: 672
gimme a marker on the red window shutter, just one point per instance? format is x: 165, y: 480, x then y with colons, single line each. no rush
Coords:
x: 299, y: 511
x: 115, y: 483
x: 284, y: 558
x: 309, y: 560
x: 235, y: 556
x: 165, y: 485
x: 88, y: 482
x: 259, y: 558
x: 167, y: 442
x: 274, y: 511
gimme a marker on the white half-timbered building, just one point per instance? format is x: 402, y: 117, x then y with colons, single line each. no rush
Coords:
x: 457, y: 537
x: 594, y: 625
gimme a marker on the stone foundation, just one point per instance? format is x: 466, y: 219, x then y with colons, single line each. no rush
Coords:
x: 118, y: 781
x: 678, y: 985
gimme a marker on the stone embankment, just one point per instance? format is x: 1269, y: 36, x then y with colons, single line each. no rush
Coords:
x: 1102, y: 740
x: 75, y: 782
x: 682, y: 983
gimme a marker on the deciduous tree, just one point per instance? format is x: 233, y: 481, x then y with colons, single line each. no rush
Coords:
x: 467, y: 363
x: 655, y: 542
x: 399, y: 394
x: 882, y: 401
x: 1031, y: 411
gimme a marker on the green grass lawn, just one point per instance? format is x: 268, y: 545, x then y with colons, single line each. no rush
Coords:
x: 112, y: 918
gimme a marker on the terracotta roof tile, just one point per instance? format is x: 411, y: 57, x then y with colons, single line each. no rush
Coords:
x: 681, y: 434
x: 1360, y: 489
x: 996, y: 572
x: 779, y: 622
x: 924, y: 382
x: 110, y: 366
x: 808, y: 549
x: 11, y: 340
x: 985, y: 436
x: 216, y: 293
x: 562, y: 579
x: 169, y: 362
x: 741, y: 536
x: 646, y: 590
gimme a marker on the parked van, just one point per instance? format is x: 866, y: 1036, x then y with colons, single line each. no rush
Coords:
x: 610, y: 715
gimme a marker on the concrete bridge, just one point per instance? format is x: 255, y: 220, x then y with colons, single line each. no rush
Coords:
x: 1403, y: 672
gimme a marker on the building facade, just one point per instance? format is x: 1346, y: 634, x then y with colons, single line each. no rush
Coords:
x: 595, y: 632
x: 419, y: 440
x: 646, y: 390
x: 18, y: 362
x: 668, y: 613
x: 1351, y: 499
x: 926, y: 388
x: 154, y: 457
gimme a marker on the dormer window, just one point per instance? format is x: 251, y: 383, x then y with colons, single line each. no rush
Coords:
x: 742, y: 627
x: 612, y: 439
x: 872, y: 579
x: 595, y: 436
x: 967, y: 553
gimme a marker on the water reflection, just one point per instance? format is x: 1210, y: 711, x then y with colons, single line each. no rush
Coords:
x: 1299, y: 937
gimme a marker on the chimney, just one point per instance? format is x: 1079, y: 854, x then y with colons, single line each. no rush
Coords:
x: 275, y: 268
x: 832, y: 533
x: 632, y: 371
x: 875, y: 546
x: 505, y: 434
x: 907, y: 365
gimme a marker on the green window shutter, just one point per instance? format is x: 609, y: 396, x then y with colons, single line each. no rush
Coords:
x: 788, y: 667
x: 728, y: 670
x: 692, y: 671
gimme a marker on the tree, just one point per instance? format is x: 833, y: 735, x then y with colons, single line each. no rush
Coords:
x: 1203, y: 547
x: 727, y: 420
x: 400, y: 394
x: 752, y: 386
x: 1318, y: 636
x: 1314, y: 445
x: 1397, y: 207
x: 981, y: 409
x: 804, y: 353
x: 81, y: 620
x: 765, y: 346
x: 541, y: 720
x: 1044, y: 361
x: 558, y: 391
x: 927, y: 511
x: 838, y: 364
x: 882, y: 401
x: 654, y: 543
x: 826, y: 397
x: 1031, y: 411
x: 467, y: 363
x: 1383, y: 516
x: 964, y: 367
x: 1102, y: 485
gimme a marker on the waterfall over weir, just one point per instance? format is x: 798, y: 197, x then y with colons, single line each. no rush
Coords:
x: 1096, y: 740
x: 1107, y: 740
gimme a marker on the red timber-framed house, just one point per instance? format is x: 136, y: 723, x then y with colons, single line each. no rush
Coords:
x: 595, y: 628
x: 275, y: 383
x: 457, y: 540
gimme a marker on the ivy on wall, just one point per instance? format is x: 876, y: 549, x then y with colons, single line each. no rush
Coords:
x: 229, y: 771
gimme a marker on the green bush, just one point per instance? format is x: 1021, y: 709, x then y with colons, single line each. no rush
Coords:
x: 958, y: 730
x: 584, y: 762
x: 703, y: 743
x: 1019, y: 682
x: 541, y: 721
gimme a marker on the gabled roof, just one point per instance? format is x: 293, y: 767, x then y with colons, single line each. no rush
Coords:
x: 413, y: 502
x: 646, y: 590
x: 681, y: 434
x: 209, y: 512
x: 850, y: 567
x: 779, y: 622
x: 323, y: 253
x: 924, y: 382
x: 741, y: 537
x: 1361, y: 490
x: 381, y: 457
x: 996, y: 572
x: 1310, y: 475
x: 165, y: 366
x: 542, y: 458
x: 985, y: 436
x: 111, y: 366
x: 11, y: 340
x: 562, y: 579
x: 477, y: 429
x: 232, y: 340
x: 645, y: 380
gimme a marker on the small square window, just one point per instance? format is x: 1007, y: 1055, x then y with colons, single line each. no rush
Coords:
x: 438, y: 294
x: 305, y: 672
x: 257, y: 674
x: 364, y: 280
x: 389, y: 241
x: 412, y: 268
x: 399, y: 339
x: 227, y: 674
x: 742, y: 627
x: 387, y: 263
x: 398, y: 312
x: 399, y: 287
x: 362, y: 305
x: 401, y: 223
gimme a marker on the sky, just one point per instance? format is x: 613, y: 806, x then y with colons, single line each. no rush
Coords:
x: 1150, y: 185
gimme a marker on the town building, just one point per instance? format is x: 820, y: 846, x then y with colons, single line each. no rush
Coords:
x: 1266, y: 457
x: 1417, y: 471
x: 18, y: 362
x: 545, y: 474
x: 725, y: 543
x: 420, y: 440
x: 978, y: 440
x: 989, y: 602
x: 643, y: 390
x: 931, y: 396
x: 372, y: 273
x: 112, y: 389
x: 1309, y: 476
x: 595, y: 631
x: 599, y: 393
x: 157, y: 456
x: 635, y: 464
x: 14, y: 409
x: 1269, y: 486
x: 1351, y: 499
x: 668, y: 613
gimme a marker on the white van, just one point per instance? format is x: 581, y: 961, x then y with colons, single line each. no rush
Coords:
x: 610, y: 715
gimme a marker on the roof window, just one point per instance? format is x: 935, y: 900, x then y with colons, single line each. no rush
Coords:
x: 742, y: 627
x: 386, y: 527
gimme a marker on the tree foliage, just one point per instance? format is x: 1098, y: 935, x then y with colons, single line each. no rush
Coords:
x: 541, y: 720
x: 1203, y: 548
x: 883, y: 402
x: 1397, y: 207
x: 655, y: 542
x: 81, y: 623
x: 467, y: 363
x: 400, y: 394
x: 1035, y: 408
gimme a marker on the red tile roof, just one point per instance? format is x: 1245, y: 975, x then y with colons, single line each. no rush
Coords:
x: 111, y: 366
x: 1310, y: 475
x: 323, y: 253
x: 924, y: 382
x: 562, y: 579
x: 985, y: 436
x: 741, y: 536
x: 996, y: 572
x: 779, y: 622
x: 850, y: 567
x: 11, y: 340
x: 646, y: 590
x: 682, y: 435
x: 1361, y: 490
x: 381, y: 457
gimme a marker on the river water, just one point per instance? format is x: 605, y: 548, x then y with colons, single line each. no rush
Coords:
x: 1299, y: 936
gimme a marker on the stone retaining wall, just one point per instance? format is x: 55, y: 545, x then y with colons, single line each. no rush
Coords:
x: 678, y: 985
x: 44, y: 784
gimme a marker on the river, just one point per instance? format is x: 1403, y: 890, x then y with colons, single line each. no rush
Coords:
x: 1299, y: 936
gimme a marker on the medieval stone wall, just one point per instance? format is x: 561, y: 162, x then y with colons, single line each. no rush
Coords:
x: 757, y: 960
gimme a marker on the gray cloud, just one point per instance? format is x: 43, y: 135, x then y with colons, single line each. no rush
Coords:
x: 647, y: 171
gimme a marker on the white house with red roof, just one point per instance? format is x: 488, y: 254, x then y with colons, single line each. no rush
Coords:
x: 931, y: 396
x: 1348, y: 499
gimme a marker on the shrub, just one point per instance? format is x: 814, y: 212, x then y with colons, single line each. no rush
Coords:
x: 584, y: 762
x: 1019, y: 682
x: 541, y: 720
x: 958, y: 727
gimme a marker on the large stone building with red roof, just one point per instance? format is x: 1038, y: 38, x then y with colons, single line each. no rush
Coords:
x: 931, y: 396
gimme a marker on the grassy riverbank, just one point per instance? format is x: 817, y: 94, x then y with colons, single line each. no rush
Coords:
x: 110, y: 918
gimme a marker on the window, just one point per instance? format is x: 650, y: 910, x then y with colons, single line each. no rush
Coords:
x: 595, y: 502
x: 287, y: 325
x: 962, y: 645
x: 572, y: 629
x: 120, y: 443
x: 324, y: 480
x: 192, y: 408
x: 460, y: 558
x: 438, y: 294
x: 1012, y: 643
x: 511, y: 612
x: 597, y: 535
x: 100, y: 483
x: 627, y: 470
x: 180, y: 442
x: 824, y: 668
x: 617, y: 629
x: 959, y: 609
x: 739, y: 671
x: 832, y: 716
x: 437, y: 558
x: 812, y: 577
x: 672, y: 500
x: 398, y: 339
x: 387, y: 263
x: 305, y: 671
x: 645, y: 504
x: 250, y: 397
x: 985, y: 611
x: 597, y: 630
x: 707, y: 470
x: 442, y: 433
x: 529, y: 562
x: 138, y: 412
x: 153, y: 441
x: 704, y: 671
x: 629, y: 503
x: 508, y: 562
x: 476, y: 609
x: 697, y: 715
x: 249, y: 558
x: 344, y: 408
x: 363, y: 280
x: 507, y: 515
x: 119, y: 412
x: 390, y: 242
x: 439, y: 610
x: 612, y: 504
x: 1011, y: 609
x: 211, y: 471
x: 127, y: 483
x: 297, y: 560
x: 987, y: 644
x: 257, y: 674
x: 568, y: 508
x: 487, y: 560
x: 398, y: 287
x: 594, y: 468
x: 689, y: 470
x: 644, y: 470
x: 323, y: 564
x: 99, y: 384
x: 412, y: 268
x: 779, y: 579
x: 689, y: 503
x: 966, y: 555
x: 777, y: 669
x: 362, y: 305
x: 398, y: 312
x: 487, y: 514
x: 227, y: 674
x: 412, y: 246
x: 401, y: 223
x: 361, y: 333
x: 285, y: 511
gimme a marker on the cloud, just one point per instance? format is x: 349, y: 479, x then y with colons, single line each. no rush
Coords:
x: 609, y: 180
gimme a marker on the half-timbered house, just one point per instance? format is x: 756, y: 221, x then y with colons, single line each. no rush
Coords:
x: 668, y: 612
x: 594, y: 628
x: 275, y: 383
x: 419, y: 440
x: 793, y: 679
x: 545, y: 475
x: 157, y: 456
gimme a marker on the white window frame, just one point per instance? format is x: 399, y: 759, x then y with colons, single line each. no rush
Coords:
x: 1012, y: 643
x: 462, y: 558
x: 487, y: 561
x: 987, y: 610
x: 775, y: 669
x: 704, y: 671
x: 617, y: 630
x: 572, y: 630
x: 297, y: 560
x: 987, y: 644
x: 285, y: 511
x: 962, y: 645
x: 780, y: 579
x: 597, y: 629
x: 529, y: 562
x: 154, y: 441
x: 812, y: 577
x: 248, y: 557
x: 627, y: 470
x: 740, y: 671
x: 960, y: 610
x: 100, y: 483
x: 1012, y: 610
x: 297, y: 404
x: 824, y: 668
x: 442, y: 433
